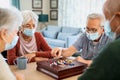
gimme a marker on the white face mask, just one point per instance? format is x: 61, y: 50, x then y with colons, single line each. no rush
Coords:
x: 108, y: 31
x: 113, y: 33
x: 12, y: 44
x: 29, y: 32
x: 92, y: 36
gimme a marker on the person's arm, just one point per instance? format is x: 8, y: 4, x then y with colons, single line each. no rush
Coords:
x: 80, y: 59
x: 19, y: 76
x: 65, y: 52
x: 43, y: 44
x: 43, y: 47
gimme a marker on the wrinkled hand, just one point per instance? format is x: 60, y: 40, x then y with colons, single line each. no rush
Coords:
x: 30, y: 56
x: 80, y: 59
x: 19, y: 76
x: 56, y: 52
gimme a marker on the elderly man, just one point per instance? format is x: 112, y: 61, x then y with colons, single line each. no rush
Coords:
x: 10, y: 20
x: 90, y: 42
x: 107, y: 65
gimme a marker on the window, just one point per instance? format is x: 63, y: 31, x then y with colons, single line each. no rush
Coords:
x: 73, y: 13
x: 5, y: 3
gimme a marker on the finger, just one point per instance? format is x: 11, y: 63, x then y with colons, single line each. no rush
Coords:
x: 53, y: 52
x: 29, y: 59
x: 59, y: 53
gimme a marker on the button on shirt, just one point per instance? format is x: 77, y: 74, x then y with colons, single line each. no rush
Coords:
x: 89, y: 48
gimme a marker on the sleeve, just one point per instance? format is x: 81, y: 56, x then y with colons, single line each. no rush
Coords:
x: 45, y: 54
x: 5, y: 72
x: 104, y: 66
x: 44, y: 48
x: 11, y: 55
x: 78, y: 43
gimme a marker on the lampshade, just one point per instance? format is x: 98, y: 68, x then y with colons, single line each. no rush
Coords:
x: 43, y: 18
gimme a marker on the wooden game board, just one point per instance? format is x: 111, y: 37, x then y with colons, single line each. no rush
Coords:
x: 58, y: 72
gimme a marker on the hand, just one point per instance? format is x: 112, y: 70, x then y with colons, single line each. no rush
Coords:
x: 19, y: 76
x: 41, y: 59
x: 80, y: 59
x: 56, y: 52
x: 29, y: 56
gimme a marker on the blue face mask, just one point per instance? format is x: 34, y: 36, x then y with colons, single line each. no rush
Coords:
x: 29, y: 32
x: 108, y: 31
x: 92, y: 36
x: 12, y: 44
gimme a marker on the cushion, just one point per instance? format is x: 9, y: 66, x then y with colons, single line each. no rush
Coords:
x: 70, y: 30
x: 63, y: 36
x: 55, y: 42
x: 50, y: 34
x: 53, y: 28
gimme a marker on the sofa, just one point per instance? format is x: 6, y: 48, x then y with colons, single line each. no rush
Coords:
x: 57, y: 36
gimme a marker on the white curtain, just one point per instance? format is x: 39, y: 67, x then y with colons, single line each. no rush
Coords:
x: 73, y: 13
x: 5, y: 3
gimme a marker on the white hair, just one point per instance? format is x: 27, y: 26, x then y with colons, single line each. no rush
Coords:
x: 97, y: 16
x: 29, y: 15
x: 10, y: 18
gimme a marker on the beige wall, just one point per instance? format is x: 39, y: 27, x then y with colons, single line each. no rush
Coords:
x: 27, y: 5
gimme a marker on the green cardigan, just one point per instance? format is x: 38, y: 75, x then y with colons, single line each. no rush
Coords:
x: 107, y: 65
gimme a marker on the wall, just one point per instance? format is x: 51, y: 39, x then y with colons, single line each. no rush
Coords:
x: 27, y: 5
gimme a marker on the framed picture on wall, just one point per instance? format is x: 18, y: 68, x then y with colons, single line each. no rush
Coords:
x: 37, y: 4
x: 53, y: 15
x: 53, y: 4
x: 38, y: 12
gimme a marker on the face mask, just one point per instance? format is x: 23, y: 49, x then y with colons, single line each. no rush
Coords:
x: 29, y: 32
x: 92, y: 36
x: 12, y: 44
x: 108, y: 31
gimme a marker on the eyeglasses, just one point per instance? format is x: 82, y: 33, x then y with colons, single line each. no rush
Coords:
x: 91, y: 30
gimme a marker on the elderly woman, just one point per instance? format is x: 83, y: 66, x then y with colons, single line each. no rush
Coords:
x: 10, y: 20
x: 31, y: 44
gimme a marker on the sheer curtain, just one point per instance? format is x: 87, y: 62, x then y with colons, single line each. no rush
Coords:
x: 5, y: 3
x: 73, y: 13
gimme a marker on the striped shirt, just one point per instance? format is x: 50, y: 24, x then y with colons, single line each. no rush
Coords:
x: 88, y: 48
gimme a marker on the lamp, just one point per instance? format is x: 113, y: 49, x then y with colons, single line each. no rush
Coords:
x: 43, y: 18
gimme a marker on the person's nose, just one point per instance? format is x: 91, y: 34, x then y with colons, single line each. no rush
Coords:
x: 31, y: 27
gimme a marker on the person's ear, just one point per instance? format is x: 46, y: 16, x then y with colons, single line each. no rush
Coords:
x: 5, y: 36
x: 3, y: 33
x: 22, y: 28
x: 115, y: 22
x: 101, y: 30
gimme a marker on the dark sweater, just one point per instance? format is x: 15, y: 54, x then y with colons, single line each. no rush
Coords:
x: 107, y: 65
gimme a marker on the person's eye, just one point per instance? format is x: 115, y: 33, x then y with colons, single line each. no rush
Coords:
x: 94, y: 30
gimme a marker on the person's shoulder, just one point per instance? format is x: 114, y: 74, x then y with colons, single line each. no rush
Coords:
x: 83, y: 35
x: 38, y: 34
x: 113, y: 46
x: 115, y: 42
x: 107, y: 38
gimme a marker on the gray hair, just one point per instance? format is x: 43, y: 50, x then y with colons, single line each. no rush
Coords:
x: 28, y: 15
x: 10, y: 18
x: 97, y: 16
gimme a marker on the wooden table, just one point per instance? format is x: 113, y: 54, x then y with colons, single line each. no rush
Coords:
x: 32, y: 74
